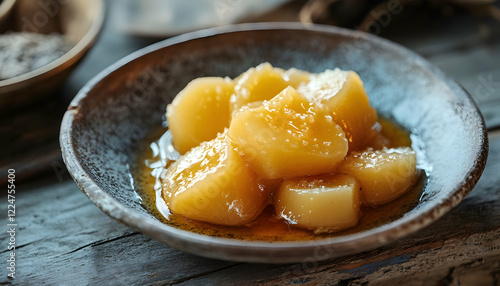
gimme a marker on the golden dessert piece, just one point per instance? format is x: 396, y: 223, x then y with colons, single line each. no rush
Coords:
x: 199, y: 112
x: 311, y: 140
x: 212, y: 183
x: 325, y: 203
x: 263, y: 83
x: 342, y: 92
x: 384, y: 174
x: 288, y: 137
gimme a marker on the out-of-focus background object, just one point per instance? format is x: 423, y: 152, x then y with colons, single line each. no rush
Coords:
x: 6, y: 7
x: 33, y: 39
x: 389, y: 17
x: 365, y: 15
x: 41, y: 43
x: 22, y: 52
x: 160, y: 18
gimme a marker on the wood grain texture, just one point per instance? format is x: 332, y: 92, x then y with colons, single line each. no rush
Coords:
x: 61, y: 232
x: 64, y: 239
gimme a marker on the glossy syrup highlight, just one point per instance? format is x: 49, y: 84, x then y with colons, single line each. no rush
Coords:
x: 157, y: 152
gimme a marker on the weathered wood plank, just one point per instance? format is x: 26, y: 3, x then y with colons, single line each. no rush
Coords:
x: 440, y: 36
x: 64, y: 239
x: 126, y: 260
x: 401, y: 263
x: 464, y: 48
x: 61, y: 230
x: 478, y: 71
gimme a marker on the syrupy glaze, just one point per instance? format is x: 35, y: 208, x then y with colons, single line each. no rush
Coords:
x: 156, y: 151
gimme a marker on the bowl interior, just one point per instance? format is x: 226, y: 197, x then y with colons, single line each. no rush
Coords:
x: 108, y: 119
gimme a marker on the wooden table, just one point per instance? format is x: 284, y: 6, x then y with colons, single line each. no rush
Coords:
x: 63, y: 239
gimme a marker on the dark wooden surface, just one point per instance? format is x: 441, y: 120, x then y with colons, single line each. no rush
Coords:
x: 63, y: 239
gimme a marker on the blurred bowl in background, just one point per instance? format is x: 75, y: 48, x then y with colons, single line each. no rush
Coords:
x: 160, y: 19
x: 6, y: 7
x: 78, y: 20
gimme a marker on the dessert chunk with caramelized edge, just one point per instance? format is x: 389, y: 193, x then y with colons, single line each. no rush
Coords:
x: 384, y: 174
x: 325, y: 203
x: 342, y: 92
x: 288, y: 137
x: 212, y: 183
x: 263, y: 83
x: 309, y: 144
x: 199, y: 112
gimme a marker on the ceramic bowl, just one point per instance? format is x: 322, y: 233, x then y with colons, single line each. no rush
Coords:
x: 80, y: 21
x: 6, y: 7
x: 113, y: 113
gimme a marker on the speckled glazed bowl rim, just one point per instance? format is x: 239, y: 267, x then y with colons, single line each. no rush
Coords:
x: 254, y: 251
x: 68, y: 59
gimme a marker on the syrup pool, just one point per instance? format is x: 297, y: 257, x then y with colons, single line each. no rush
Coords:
x: 157, y: 152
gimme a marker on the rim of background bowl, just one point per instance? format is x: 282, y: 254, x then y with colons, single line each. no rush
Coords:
x: 258, y: 251
x: 5, y: 8
x: 64, y: 61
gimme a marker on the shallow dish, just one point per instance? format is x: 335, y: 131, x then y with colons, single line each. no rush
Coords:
x: 80, y: 21
x: 115, y: 111
x: 6, y: 7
